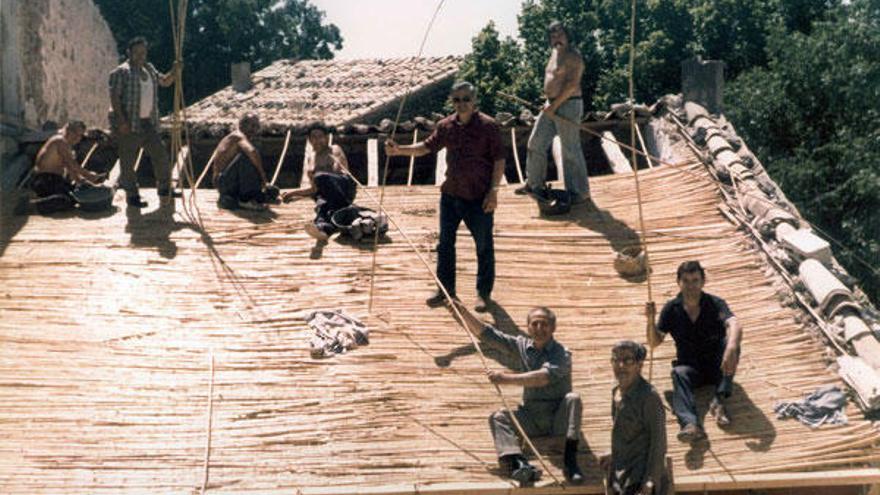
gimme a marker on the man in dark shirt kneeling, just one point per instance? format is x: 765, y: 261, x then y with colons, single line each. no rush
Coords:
x: 707, y: 342
x: 549, y: 406
x: 636, y: 464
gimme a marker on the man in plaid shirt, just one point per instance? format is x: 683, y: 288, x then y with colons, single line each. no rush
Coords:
x: 134, y: 120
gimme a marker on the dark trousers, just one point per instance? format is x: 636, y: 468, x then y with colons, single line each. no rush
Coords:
x: 452, y: 211
x: 685, y: 379
x: 46, y: 184
x: 240, y: 180
x: 332, y: 192
x: 129, y: 144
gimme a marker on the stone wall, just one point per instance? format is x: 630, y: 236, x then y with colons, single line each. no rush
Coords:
x: 56, y: 55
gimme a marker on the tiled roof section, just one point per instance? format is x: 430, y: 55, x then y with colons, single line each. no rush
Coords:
x: 290, y: 93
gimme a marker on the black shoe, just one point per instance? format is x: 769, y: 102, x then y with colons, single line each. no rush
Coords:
x: 437, y: 300
x: 522, y: 191
x: 166, y: 192
x: 482, y: 304
x: 572, y: 471
x: 227, y: 202
x: 541, y: 195
x: 523, y: 472
x: 135, y: 201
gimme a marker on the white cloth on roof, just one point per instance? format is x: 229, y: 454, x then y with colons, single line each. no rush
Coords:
x: 335, y: 332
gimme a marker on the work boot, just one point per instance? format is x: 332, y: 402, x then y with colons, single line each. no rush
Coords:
x: 541, y: 195
x: 691, y: 433
x: 481, y: 305
x: 437, y: 300
x: 135, y: 201
x: 520, y: 470
x: 719, y: 412
x: 522, y: 191
x: 572, y: 471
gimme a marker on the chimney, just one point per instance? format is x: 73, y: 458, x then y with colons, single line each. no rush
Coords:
x: 702, y: 81
x: 241, y: 76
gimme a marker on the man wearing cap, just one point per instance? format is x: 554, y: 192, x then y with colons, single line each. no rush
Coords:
x: 470, y: 192
x: 562, y: 87
x: 636, y: 463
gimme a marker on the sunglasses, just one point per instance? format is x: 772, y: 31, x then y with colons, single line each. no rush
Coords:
x: 463, y: 99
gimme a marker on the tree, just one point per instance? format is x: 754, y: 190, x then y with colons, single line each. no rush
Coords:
x: 812, y: 116
x: 222, y: 32
x: 492, y: 66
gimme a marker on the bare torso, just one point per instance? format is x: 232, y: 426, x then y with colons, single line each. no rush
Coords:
x: 54, y: 156
x: 563, y: 68
x: 331, y: 159
x: 227, y: 148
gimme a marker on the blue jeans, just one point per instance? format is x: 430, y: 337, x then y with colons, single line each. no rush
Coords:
x: 685, y: 379
x: 452, y: 211
x: 574, y: 165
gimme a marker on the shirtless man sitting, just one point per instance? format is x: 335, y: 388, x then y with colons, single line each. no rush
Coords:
x: 562, y: 87
x: 56, y: 171
x: 238, y: 169
x: 330, y: 184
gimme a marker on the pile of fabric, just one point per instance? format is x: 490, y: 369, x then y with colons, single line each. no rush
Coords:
x: 360, y: 223
x: 824, y: 406
x: 334, y: 332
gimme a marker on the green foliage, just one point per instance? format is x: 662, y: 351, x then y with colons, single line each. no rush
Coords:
x: 220, y: 33
x: 812, y: 116
x: 492, y: 66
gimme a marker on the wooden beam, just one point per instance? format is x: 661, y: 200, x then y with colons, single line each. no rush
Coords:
x: 516, y: 154
x: 619, y: 163
x: 304, y: 177
x: 412, y: 159
x: 698, y: 483
x: 440, y: 173
x: 372, y: 163
x: 556, y: 151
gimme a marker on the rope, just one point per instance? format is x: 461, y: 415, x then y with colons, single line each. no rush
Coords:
x: 388, y: 158
x: 632, y: 141
x: 459, y: 319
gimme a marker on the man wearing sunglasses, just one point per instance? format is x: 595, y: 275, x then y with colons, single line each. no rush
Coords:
x: 636, y: 463
x: 549, y: 407
x: 562, y: 87
x: 475, y: 165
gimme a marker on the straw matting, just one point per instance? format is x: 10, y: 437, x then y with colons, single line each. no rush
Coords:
x: 108, y: 325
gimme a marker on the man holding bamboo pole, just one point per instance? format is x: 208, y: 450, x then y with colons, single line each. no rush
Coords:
x: 134, y: 120
x: 238, y: 169
x: 562, y: 87
x: 707, y: 342
x: 470, y: 191
x: 549, y: 406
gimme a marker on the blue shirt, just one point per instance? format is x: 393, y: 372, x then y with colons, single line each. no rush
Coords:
x: 553, y: 357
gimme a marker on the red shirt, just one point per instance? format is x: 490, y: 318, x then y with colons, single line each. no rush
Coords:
x: 471, y: 152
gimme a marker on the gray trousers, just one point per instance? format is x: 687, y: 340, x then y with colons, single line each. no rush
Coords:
x: 537, y: 418
x: 149, y: 140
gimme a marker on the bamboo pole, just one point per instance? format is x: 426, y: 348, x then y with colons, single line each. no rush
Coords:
x: 88, y: 155
x: 516, y: 154
x: 412, y: 159
x: 283, y: 154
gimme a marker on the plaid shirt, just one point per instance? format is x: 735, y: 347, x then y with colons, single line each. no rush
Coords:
x: 125, y: 82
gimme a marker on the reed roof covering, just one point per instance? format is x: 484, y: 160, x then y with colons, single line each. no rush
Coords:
x: 109, y: 325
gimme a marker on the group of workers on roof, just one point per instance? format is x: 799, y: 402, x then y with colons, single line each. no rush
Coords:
x: 706, y: 333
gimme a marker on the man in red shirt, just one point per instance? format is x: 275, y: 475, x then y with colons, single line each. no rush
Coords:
x: 475, y: 165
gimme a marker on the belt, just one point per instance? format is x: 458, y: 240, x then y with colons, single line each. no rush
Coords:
x: 568, y: 99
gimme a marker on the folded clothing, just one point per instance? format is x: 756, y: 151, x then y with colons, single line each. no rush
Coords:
x: 334, y: 332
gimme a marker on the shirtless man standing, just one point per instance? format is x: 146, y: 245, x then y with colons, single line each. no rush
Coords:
x: 56, y: 170
x: 238, y: 169
x: 330, y: 184
x: 562, y: 87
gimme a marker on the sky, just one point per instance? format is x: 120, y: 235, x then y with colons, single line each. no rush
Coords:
x: 395, y: 28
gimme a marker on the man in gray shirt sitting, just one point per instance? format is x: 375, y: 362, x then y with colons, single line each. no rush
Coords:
x: 549, y: 406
